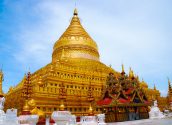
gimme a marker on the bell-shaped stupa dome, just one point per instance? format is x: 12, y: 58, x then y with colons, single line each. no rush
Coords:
x: 75, y: 43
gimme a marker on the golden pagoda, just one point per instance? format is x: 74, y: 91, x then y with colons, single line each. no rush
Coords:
x: 73, y: 80
x: 75, y: 65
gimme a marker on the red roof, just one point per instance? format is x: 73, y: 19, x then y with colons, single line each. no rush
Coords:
x: 121, y: 100
x: 106, y: 101
x: 128, y: 91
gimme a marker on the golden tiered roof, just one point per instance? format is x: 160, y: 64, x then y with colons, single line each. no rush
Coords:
x: 75, y: 43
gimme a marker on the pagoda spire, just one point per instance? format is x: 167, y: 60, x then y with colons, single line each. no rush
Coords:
x: 123, y: 68
x: 1, y: 80
x: 137, y: 77
x: 27, y: 92
x: 131, y: 74
x: 123, y: 71
x: 154, y: 87
x: 169, y: 84
x: 75, y: 13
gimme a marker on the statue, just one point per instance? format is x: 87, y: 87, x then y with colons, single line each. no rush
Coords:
x: 155, y: 112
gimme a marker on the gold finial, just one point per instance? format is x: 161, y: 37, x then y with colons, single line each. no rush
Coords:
x: 1, y: 76
x: 169, y: 83
x: 75, y: 12
x: 137, y: 77
x: 1, y: 80
x: 154, y: 87
x: 130, y: 72
x: 123, y: 68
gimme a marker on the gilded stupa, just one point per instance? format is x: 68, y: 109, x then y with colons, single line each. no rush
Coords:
x: 75, y: 70
x: 75, y: 43
x: 73, y: 80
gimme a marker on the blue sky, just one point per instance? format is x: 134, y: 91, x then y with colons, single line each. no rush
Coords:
x: 136, y: 33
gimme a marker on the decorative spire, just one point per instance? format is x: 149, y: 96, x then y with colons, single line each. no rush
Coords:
x: 154, y: 87
x: 1, y: 76
x: 27, y: 91
x: 123, y: 68
x: 1, y: 80
x: 131, y: 74
x: 27, y: 88
x: 75, y: 12
x: 137, y: 77
x: 138, y: 83
x: 169, y: 84
x: 130, y: 71
x: 123, y: 72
